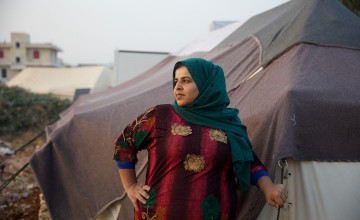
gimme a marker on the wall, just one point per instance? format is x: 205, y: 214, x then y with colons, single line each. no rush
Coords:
x: 128, y: 64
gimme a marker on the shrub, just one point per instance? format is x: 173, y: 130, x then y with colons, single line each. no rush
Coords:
x: 21, y: 110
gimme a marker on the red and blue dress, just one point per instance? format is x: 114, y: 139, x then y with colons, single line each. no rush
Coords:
x: 189, y: 167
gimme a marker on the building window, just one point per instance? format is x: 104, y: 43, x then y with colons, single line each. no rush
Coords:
x: 17, y: 44
x: 18, y: 59
x: 3, y: 73
x: 36, y: 54
x: 1, y: 54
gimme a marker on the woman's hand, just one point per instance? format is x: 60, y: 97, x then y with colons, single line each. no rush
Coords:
x: 134, y: 190
x: 275, y: 194
x: 138, y: 192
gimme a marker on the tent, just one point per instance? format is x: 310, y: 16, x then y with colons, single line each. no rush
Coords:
x: 63, y: 82
x: 209, y: 40
x: 294, y: 74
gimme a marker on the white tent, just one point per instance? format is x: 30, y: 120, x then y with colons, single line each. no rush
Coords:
x: 63, y: 82
x: 319, y: 190
x: 208, y: 41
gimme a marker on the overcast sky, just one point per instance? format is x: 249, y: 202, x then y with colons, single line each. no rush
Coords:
x: 89, y: 31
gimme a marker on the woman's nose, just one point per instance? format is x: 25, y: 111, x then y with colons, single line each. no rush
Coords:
x: 178, y: 86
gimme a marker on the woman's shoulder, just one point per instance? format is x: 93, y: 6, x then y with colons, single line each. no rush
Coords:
x: 159, y: 110
x: 164, y: 109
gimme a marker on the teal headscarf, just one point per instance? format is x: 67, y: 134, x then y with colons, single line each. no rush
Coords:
x: 210, y: 109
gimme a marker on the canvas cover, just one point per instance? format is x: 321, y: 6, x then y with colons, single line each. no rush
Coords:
x: 303, y: 103
x: 322, y: 22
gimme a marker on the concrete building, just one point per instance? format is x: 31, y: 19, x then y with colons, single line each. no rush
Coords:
x: 129, y: 63
x: 20, y: 53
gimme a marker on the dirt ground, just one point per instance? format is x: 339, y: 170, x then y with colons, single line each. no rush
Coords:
x: 20, y: 199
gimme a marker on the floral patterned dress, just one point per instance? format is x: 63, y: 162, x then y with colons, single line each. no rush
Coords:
x: 189, y: 167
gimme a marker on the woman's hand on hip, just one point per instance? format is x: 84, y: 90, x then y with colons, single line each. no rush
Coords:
x: 138, y: 192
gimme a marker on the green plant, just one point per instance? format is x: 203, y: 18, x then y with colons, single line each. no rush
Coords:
x: 353, y: 5
x: 21, y: 110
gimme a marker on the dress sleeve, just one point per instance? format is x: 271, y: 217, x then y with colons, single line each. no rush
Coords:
x: 135, y: 137
x: 258, y: 170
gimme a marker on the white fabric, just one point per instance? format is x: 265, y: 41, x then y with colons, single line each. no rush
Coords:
x: 111, y: 212
x: 319, y: 190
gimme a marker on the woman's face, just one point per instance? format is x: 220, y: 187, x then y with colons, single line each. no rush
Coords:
x: 185, y: 90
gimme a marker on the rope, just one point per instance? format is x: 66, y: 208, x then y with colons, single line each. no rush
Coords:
x: 283, y: 167
x: 29, y: 142
x: 13, y: 177
x: 22, y: 147
x: 2, y: 165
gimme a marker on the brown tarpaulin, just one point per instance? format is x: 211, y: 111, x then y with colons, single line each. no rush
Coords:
x: 304, y: 104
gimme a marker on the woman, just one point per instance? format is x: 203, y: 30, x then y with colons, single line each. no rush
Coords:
x: 199, y: 152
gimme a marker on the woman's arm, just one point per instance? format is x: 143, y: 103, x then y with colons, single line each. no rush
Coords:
x: 275, y: 194
x: 130, y: 141
x: 134, y: 190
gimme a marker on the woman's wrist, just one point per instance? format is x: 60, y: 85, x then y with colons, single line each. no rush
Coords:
x: 265, y: 184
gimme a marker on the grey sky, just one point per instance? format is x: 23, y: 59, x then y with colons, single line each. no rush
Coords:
x: 88, y: 31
